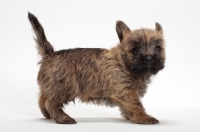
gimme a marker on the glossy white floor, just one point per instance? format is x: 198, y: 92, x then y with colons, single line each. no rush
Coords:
x: 98, y: 119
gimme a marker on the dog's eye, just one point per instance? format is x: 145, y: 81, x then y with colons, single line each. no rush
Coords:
x: 158, y: 48
x: 134, y: 50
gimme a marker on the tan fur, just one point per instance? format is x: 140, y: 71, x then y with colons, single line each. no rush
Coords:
x: 104, y: 77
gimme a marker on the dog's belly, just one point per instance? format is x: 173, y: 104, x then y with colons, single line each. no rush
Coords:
x: 107, y: 101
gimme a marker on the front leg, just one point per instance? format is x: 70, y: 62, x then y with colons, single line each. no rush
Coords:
x: 132, y: 109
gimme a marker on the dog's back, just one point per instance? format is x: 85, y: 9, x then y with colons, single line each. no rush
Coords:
x: 69, y: 72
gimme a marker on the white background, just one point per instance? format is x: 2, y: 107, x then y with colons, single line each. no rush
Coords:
x: 173, y: 96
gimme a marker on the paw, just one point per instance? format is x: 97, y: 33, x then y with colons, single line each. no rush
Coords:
x: 146, y: 120
x: 66, y: 120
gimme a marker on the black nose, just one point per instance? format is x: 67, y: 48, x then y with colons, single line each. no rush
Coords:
x: 148, y: 59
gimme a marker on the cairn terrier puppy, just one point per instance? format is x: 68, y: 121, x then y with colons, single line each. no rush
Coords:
x: 115, y: 77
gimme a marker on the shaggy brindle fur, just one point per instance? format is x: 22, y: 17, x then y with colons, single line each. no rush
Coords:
x: 116, y: 77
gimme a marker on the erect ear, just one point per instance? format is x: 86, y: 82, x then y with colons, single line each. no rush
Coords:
x: 121, y: 29
x: 158, y: 28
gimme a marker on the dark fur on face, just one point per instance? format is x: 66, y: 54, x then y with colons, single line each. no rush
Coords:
x: 143, y: 49
x: 116, y: 77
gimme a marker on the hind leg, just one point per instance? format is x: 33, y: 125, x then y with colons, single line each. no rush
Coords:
x: 57, y: 113
x: 43, y: 109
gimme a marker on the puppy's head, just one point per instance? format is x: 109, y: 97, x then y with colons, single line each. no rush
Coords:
x: 142, y: 50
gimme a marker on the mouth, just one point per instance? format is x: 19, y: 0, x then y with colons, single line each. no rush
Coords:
x: 146, y: 69
x: 149, y: 69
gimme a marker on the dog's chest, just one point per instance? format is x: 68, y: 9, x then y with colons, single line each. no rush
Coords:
x: 140, y: 84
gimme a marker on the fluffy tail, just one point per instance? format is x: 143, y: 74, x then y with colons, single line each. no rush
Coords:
x: 43, y: 46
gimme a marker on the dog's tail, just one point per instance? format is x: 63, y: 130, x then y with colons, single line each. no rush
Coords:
x: 43, y: 46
